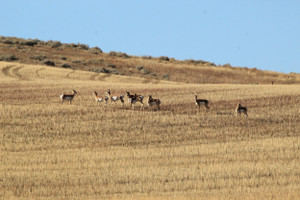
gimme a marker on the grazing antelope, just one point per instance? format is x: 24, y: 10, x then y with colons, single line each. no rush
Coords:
x: 200, y: 102
x: 152, y: 102
x: 68, y: 97
x: 132, y: 99
x: 99, y: 99
x: 241, y: 109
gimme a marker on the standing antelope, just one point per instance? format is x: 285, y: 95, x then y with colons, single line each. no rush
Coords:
x: 200, y: 102
x: 112, y: 98
x: 115, y: 98
x: 132, y: 99
x: 241, y: 109
x: 140, y: 97
x: 129, y: 95
x: 152, y: 102
x: 99, y: 99
x: 122, y: 100
x: 68, y: 97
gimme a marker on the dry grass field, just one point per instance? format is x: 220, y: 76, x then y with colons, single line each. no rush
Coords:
x: 51, y: 150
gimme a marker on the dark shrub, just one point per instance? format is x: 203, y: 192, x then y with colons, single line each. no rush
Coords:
x: 30, y: 42
x: 164, y: 58
x: 73, y: 45
x: 112, y: 66
x: 39, y: 57
x: 145, y: 71
x: 55, y: 44
x: 166, y: 76
x: 104, y: 70
x: 140, y: 68
x: 95, y: 50
x: 76, y: 61
x: 147, y: 57
x: 112, y: 53
x: 8, y: 41
x: 83, y: 46
x: 118, y: 54
x: 8, y: 58
x: 77, y: 46
x: 227, y: 65
x: 66, y: 65
x: 96, y: 62
x: 49, y: 63
x: 191, y: 61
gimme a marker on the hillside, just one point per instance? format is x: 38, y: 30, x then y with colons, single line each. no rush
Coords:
x: 82, y: 57
x: 50, y: 150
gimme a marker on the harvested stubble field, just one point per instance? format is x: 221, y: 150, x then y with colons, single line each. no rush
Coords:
x: 51, y: 150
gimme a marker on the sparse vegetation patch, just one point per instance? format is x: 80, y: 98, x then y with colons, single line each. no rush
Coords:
x: 8, y: 58
x: 54, y: 44
x: 30, y: 42
x: 81, y: 57
x: 49, y: 63
x: 118, y: 54
x: 38, y: 57
x: 95, y: 50
x: 164, y: 58
x: 66, y: 65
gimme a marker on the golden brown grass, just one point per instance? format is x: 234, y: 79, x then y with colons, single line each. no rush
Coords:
x: 51, y: 150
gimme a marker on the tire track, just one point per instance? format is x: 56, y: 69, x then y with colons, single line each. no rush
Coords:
x: 99, y: 77
x: 6, y: 70
x: 68, y: 76
x: 18, y: 75
x: 37, y: 72
x: 13, y: 72
x: 94, y: 77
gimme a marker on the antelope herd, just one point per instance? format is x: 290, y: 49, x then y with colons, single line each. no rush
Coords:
x: 135, y: 98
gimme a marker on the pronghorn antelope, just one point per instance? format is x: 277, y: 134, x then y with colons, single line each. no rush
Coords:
x: 115, y: 98
x: 200, y: 102
x: 140, y: 97
x: 152, y: 102
x: 122, y: 99
x: 129, y: 95
x: 112, y: 98
x: 132, y: 99
x: 241, y: 109
x: 68, y: 97
x: 99, y: 99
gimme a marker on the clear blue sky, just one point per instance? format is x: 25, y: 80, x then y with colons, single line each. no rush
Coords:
x: 250, y: 33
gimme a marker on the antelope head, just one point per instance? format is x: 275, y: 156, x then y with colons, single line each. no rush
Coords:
x: 74, y: 92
